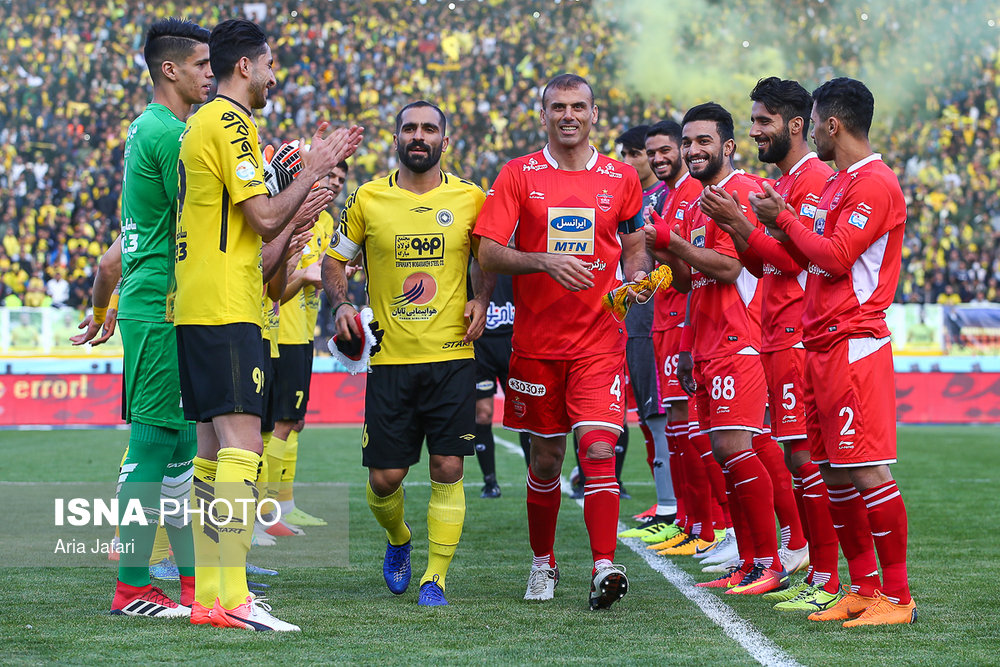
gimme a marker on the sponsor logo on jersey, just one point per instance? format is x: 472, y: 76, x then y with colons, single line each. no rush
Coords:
x: 454, y: 345
x: 420, y: 209
x: 819, y: 222
x: 245, y: 170
x: 859, y: 220
x: 807, y: 211
x: 597, y: 265
x: 485, y: 385
x: 529, y: 388
x: 816, y: 271
x: 609, y: 170
x: 497, y: 316
x: 571, y: 230
x: 698, y: 237
x: 420, y: 249
x: 604, y: 201
x: 445, y: 217
x: 535, y: 194
x: 489, y: 193
x: 418, y: 290
x: 534, y: 165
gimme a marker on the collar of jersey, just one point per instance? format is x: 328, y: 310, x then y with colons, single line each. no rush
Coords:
x: 393, y: 181
x: 860, y: 163
x: 801, y: 162
x: 236, y: 104
x: 555, y: 165
x: 726, y: 179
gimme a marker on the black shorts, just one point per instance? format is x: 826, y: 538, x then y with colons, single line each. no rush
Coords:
x: 643, y: 377
x: 267, y: 416
x: 404, y: 403
x: 292, y: 372
x: 492, y: 364
x: 222, y: 370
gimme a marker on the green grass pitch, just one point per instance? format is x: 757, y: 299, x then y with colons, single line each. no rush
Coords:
x: 948, y: 477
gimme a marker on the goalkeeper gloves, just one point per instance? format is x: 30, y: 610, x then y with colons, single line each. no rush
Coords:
x: 282, y: 167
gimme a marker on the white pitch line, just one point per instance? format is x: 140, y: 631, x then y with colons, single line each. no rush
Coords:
x: 760, y: 648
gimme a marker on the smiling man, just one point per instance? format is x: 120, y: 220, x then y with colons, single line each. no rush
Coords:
x: 731, y: 392
x: 573, y: 215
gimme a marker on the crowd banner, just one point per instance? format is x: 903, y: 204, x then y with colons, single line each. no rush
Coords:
x: 94, y: 399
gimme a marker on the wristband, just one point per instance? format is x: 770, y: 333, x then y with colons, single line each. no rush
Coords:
x: 114, y: 302
x: 342, y: 303
x: 100, y: 314
x: 662, y: 239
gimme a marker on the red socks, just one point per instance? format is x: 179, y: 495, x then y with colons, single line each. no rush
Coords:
x: 887, y: 517
x: 600, y: 496
x: 823, y: 544
x: 773, y: 459
x: 544, y: 497
x: 850, y: 519
x: 753, y: 488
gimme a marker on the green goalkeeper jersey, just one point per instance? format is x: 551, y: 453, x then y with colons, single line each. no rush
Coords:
x: 149, y: 208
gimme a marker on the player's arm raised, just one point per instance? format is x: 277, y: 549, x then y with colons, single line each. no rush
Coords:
x: 658, y: 237
x: 269, y: 215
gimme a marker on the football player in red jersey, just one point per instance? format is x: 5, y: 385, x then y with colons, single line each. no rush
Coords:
x: 573, y: 215
x: 693, y: 530
x: 730, y: 387
x: 780, y: 123
x: 854, y: 248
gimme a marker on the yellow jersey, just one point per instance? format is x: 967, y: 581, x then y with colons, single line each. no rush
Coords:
x: 297, y: 324
x: 218, y: 264
x: 269, y: 312
x: 416, y: 256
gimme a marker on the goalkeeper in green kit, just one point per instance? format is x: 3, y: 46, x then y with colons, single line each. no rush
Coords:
x: 162, y: 443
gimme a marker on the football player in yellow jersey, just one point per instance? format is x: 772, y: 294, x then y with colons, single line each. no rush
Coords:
x: 414, y: 228
x: 293, y: 371
x: 223, y: 215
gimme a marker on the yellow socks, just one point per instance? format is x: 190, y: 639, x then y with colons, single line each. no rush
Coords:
x: 289, y: 460
x: 445, y: 518
x: 235, y: 483
x: 388, y: 511
x: 264, y: 474
x: 275, y: 467
x: 205, y: 534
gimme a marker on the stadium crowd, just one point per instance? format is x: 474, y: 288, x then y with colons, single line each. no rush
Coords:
x: 75, y: 79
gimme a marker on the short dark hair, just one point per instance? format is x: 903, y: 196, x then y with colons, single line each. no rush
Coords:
x: 173, y: 40
x: 567, y: 82
x: 421, y: 103
x: 668, y: 128
x: 342, y: 165
x: 715, y: 112
x: 784, y: 97
x: 634, y: 138
x: 847, y: 100
x: 232, y: 40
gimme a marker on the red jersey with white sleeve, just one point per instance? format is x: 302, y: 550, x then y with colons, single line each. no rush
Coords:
x: 579, y: 213
x: 669, y: 306
x: 782, y: 285
x: 725, y: 318
x: 855, y: 254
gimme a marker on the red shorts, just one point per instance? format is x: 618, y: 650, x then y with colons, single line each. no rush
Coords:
x: 853, y: 395
x: 666, y: 345
x: 783, y: 372
x: 550, y: 397
x: 731, y: 393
